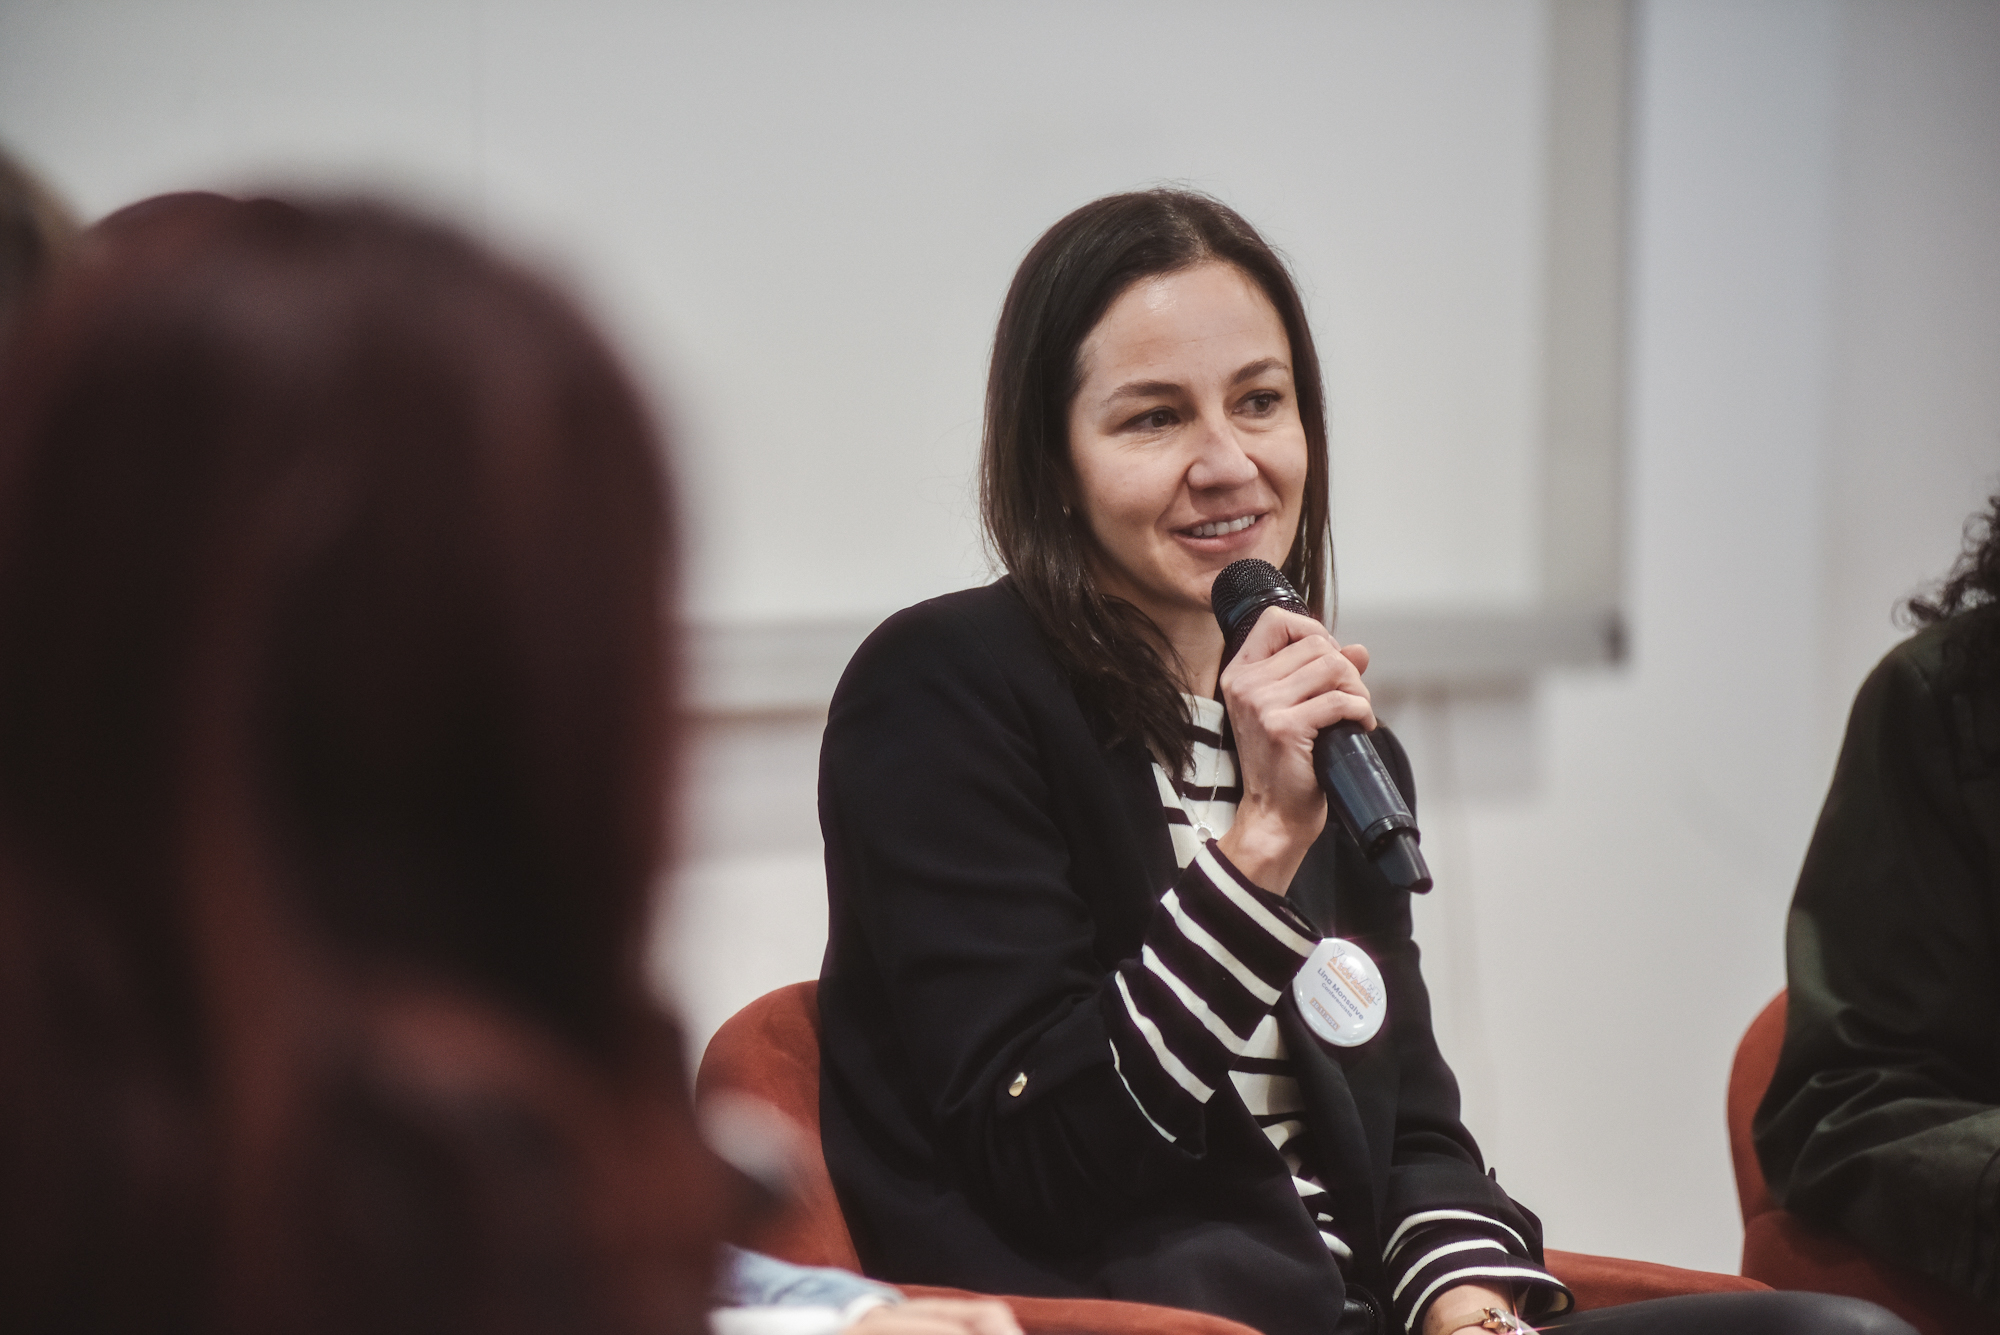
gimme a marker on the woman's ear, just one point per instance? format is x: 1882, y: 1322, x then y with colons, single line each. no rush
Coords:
x: 1065, y: 490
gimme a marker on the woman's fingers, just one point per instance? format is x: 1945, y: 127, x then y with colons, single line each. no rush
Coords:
x: 1323, y: 711
x: 940, y: 1316
x: 1276, y: 628
x: 901, y: 1321
x: 1309, y: 669
x: 1291, y: 639
x: 1290, y: 680
x: 1313, y: 666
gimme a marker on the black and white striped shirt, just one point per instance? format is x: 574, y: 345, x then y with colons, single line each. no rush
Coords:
x: 1199, y: 1009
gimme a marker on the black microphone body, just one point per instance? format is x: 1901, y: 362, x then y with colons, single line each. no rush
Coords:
x: 1356, y: 781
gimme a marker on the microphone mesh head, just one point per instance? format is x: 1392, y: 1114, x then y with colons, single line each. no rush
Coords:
x: 1247, y: 587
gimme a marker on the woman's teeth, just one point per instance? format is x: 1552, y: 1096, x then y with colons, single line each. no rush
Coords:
x: 1221, y: 527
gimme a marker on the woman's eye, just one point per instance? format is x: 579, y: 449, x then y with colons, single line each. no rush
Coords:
x: 1263, y: 402
x: 1157, y: 420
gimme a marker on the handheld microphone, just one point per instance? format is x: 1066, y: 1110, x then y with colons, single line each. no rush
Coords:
x: 1356, y: 781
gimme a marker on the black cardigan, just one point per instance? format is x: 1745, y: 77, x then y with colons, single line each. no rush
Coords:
x: 989, y: 862
x: 1883, y: 1120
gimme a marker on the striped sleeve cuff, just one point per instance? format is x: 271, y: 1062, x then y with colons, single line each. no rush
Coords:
x: 1215, y: 958
x: 1434, y: 1251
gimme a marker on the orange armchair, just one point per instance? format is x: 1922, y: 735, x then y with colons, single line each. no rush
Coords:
x: 770, y: 1050
x: 1783, y: 1250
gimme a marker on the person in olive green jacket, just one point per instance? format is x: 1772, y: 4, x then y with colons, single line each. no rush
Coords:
x: 1883, y: 1121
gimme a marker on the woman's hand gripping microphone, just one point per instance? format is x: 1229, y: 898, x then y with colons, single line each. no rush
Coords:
x: 1288, y: 680
x: 1345, y: 762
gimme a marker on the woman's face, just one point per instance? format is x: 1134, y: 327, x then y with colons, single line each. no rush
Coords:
x: 1185, y: 440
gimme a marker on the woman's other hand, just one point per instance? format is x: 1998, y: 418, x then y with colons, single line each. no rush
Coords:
x: 1290, y: 679
x: 939, y: 1316
x: 1464, y: 1306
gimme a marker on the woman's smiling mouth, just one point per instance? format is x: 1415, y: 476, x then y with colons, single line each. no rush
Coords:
x: 1221, y: 528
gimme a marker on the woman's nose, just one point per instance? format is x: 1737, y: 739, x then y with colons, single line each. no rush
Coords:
x: 1222, y: 461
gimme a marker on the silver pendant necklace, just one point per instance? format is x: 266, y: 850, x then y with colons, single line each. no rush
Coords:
x: 1202, y: 832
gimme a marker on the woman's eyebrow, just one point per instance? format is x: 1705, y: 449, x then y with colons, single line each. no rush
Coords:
x: 1258, y: 367
x: 1143, y: 389
x: 1159, y: 389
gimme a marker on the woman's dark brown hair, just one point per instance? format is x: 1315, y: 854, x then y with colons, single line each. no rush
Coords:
x: 1116, y: 661
x: 36, y: 235
x: 333, y: 741
x: 1969, y: 598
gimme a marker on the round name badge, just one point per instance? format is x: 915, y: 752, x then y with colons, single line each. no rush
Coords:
x: 1340, y: 993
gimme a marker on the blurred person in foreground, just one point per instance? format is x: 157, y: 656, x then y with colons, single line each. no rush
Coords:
x: 335, y: 735
x: 1883, y: 1120
x: 332, y: 740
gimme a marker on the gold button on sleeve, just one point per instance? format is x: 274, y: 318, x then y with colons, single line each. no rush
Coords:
x: 1020, y: 1083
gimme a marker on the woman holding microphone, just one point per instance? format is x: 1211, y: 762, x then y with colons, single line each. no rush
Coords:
x: 1083, y: 889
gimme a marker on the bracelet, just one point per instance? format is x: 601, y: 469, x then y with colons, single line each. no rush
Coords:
x: 1496, y: 1319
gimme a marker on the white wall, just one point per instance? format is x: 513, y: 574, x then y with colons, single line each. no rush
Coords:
x: 1651, y: 866
x: 1915, y: 367
x: 802, y: 217
x: 1815, y: 408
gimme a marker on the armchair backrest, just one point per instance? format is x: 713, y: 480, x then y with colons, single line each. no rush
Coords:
x: 1783, y: 1250
x: 769, y: 1050
x: 1749, y: 1076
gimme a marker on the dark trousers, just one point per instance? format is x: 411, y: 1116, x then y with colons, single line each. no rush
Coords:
x: 1776, y: 1313
x: 1781, y: 1313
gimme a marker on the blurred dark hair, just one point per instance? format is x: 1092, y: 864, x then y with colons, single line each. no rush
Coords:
x: 36, y: 235
x: 1110, y: 650
x: 333, y: 745
x: 1969, y: 597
